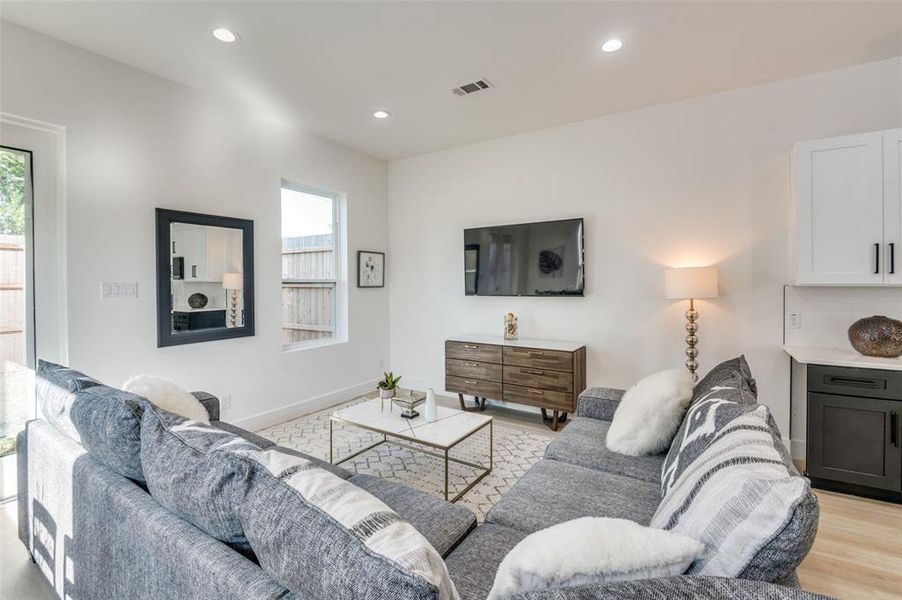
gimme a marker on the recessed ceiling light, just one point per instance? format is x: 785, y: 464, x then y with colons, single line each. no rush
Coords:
x: 225, y: 35
x: 612, y: 45
x: 382, y: 114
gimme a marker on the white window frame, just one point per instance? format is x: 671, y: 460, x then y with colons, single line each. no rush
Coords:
x: 340, y: 269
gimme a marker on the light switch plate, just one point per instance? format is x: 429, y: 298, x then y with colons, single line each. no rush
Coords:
x: 118, y: 289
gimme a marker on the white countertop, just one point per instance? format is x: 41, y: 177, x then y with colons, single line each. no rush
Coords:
x: 498, y: 340
x: 841, y: 357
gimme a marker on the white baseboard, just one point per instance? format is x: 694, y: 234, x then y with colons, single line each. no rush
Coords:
x: 304, y: 407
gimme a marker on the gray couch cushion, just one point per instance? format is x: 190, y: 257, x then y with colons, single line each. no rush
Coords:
x: 553, y: 492
x: 257, y: 440
x: 582, y: 443
x: 442, y: 523
x: 675, y: 588
x: 599, y: 403
x: 323, y: 537
x: 475, y: 561
x: 108, y: 422
x: 185, y: 475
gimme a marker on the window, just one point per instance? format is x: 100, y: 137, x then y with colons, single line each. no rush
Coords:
x: 313, y: 267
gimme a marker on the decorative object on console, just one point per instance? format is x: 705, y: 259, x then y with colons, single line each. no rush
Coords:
x: 877, y: 336
x: 197, y: 300
x: 546, y: 374
x: 511, y: 329
x: 233, y: 283
x: 370, y: 269
x: 650, y: 413
x: 430, y: 405
x: 691, y: 283
x: 167, y: 395
x: 592, y: 550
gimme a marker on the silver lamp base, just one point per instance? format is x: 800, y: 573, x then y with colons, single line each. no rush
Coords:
x: 692, y: 340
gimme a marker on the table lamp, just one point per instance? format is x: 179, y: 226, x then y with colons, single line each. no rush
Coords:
x: 691, y: 283
x: 233, y: 283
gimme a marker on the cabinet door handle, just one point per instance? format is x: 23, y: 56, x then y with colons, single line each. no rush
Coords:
x: 469, y: 364
x: 471, y: 346
x: 193, y: 270
x: 536, y: 353
x: 892, y: 258
x: 537, y: 392
x: 876, y: 257
x: 531, y: 372
x: 893, y: 426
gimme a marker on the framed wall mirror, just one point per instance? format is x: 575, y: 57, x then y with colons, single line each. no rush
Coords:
x: 205, y: 277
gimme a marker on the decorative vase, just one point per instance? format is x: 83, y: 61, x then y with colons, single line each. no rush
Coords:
x: 386, y: 394
x: 430, y: 405
x: 511, y: 330
x: 877, y: 336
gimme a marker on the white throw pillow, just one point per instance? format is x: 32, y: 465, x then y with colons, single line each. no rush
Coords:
x: 650, y: 413
x: 168, y: 396
x: 592, y: 550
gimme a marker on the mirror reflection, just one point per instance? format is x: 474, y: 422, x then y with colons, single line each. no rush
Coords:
x: 206, y: 277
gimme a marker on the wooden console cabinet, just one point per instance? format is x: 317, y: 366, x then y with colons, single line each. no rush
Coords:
x: 546, y: 374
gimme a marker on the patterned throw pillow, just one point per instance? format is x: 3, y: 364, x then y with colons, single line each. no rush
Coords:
x: 187, y: 476
x: 736, y: 495
x: 734, y: 373
x: 703, y: 423
x: 324, y: 537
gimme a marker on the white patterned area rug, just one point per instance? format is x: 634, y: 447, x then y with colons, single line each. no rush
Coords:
x: 515, y: 451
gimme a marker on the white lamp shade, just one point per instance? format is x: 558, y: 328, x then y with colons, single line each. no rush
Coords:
x: 233, y: 281
x: 691, y: 282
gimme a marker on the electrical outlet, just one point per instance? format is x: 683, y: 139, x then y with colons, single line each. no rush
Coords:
x: 225, y: 401
x: 794, y: 321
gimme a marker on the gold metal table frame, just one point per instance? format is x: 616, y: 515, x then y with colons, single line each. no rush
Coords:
x: 443, y: 450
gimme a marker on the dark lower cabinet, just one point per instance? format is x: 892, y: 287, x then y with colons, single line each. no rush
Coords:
x: 854, y: 437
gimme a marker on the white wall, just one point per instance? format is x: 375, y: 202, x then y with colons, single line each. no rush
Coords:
x: 697, y: 182
x: 136, y: 142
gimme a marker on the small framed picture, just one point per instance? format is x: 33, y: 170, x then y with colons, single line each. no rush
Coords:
x: 370, y: 269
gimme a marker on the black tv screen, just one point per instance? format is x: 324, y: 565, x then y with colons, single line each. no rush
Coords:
x: 531, y: 259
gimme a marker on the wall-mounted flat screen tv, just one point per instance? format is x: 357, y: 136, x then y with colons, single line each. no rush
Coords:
x: 530, y: 259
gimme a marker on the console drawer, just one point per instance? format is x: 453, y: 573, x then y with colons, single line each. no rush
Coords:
x: 542, y: 379
x: 537, y: 397
x: 538, y: 359
x: 473, y: 352
x: 470, y: 369
x: 473, y: 387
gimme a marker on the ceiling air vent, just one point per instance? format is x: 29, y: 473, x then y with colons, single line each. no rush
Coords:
x: 473, y: 87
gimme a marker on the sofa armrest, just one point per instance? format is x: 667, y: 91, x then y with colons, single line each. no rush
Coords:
x: 599, y: 403
x: 210, y: 402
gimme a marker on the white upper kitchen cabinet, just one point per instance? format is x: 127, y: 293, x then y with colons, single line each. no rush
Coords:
x: 839, y: 235
x: 892, y: 203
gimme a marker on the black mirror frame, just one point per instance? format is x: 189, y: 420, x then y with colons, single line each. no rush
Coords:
x: 165, y: 337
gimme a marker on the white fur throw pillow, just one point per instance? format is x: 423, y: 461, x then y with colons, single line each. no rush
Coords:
x: 650, y: 414
x: 168, y: 396
x: 592, y: 550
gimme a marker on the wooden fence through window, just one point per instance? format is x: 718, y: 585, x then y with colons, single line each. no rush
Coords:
x: 308, y: 288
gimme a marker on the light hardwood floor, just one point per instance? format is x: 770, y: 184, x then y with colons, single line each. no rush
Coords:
x: 857, y: 553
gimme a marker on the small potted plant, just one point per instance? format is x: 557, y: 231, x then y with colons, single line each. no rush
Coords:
x: 388, y: 385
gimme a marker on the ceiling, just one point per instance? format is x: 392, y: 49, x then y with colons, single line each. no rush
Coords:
x: 329, y: 65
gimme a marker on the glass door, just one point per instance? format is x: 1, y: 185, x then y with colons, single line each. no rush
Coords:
x: 17, y: 348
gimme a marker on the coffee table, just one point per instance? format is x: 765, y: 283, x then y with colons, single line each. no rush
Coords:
x: 450, y: 428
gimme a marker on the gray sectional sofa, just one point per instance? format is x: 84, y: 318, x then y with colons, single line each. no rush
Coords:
x: 97, y: 534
